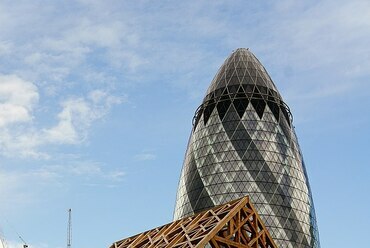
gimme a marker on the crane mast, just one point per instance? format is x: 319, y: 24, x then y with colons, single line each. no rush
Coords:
x: 69, y: 231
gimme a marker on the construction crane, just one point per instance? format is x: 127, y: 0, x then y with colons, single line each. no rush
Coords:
x: 69, y: 230
x: 24, y: 242
x: 3, y: 241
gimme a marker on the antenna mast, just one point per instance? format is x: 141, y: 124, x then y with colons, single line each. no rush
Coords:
x: 69, y: 232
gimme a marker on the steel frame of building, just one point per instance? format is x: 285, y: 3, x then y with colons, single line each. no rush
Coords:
x: 235, y: 224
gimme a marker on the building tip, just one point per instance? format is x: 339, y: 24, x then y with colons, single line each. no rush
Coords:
x: 241, y: 49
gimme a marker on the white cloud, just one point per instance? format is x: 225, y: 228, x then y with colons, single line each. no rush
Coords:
x: 307, y: 36
x: 17, y: 100
x: 100, y: 96
x: 22, y: 142
x: 145, y: 156
x: 5, y: 48
x: 321, y: 35
x: 77, y: 115
x: 58, y: 54
x: 88, y: 170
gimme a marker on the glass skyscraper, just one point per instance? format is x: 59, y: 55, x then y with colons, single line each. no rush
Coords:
x: 243, y: 143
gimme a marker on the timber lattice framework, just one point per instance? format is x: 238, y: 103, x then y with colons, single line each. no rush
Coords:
x: 235, y: 224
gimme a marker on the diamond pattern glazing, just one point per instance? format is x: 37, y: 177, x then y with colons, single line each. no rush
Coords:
x: 243, y: 143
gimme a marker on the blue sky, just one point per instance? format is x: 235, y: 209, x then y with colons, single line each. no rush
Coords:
x: 97, y: 98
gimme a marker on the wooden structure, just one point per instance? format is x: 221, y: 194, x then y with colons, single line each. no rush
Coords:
x: 232, y: 225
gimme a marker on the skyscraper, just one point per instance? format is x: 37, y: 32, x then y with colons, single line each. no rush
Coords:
x: 243, y: 143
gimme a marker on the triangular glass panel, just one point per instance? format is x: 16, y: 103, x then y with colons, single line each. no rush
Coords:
x: 274, y: 109
x: 197, y: 117
x: 218, y: 92
x: 240, y: 71
x: 241, y: 105
x: 222, y: 107
x: 224, y: 93
x: 259, y: 105
x: 263, y: 90
x: 231, y: 75
x: 233, y: 80
x: 256, y: 92
x: 241, y: 90
x: 208, y: 111
x: 248, y: 87
x: 233, y: 88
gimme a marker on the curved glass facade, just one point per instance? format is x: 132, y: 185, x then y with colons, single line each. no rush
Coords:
x: 243, y: 143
